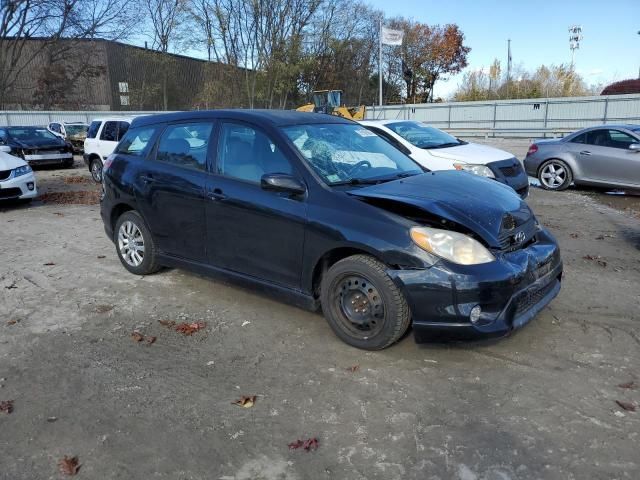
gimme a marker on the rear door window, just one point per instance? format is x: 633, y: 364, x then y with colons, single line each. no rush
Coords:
x: 122, y: 129
x: 93, y: 129
x: 109, y: 132
x: 137, y: 141
x: 185, y: 145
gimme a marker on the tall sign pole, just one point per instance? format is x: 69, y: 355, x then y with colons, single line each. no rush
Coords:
x: 380, y: 65
x: 508, y: 65
x: 575, y: 36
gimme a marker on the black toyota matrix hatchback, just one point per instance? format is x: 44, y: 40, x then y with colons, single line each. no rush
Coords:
x: 327, y: 214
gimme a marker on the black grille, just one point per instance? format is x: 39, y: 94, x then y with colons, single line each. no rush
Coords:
x: 4, y: 174
x: 518, y: 229
x: 512, y: 171
x: 529, y: 298
x: 10, y: 193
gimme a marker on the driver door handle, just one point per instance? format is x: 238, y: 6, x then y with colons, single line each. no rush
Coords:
x: 585, y: 152
x: 216, y: 194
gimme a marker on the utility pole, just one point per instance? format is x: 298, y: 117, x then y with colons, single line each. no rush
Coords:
x: 638, y: 67
x: 575, y: 36
x: 508, y: 65
x: 380, y: 65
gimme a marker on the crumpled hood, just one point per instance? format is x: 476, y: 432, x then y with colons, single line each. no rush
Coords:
x: 9, y: 162
x: 41, y: 144
x: 474, y: 202
x: 471, y: 153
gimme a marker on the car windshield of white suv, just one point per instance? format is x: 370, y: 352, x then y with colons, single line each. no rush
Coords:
x: 423, y: 136
x: 350, y: 154
x: 27, y: 134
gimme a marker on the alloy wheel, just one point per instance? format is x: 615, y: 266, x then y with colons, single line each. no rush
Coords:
x: 553, y: 175
x: 131, y: 243
x: 96, y: 171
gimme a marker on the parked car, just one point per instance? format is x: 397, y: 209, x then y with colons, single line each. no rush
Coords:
x: 17, y: 180
x: 326, y: 213
x: 604, y: 156
x: 36, y: 145
x: 437, y: 150
x: 73, y: 132
x: 102, y: 137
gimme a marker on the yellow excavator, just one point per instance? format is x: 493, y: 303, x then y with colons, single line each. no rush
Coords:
x: 330, y: 102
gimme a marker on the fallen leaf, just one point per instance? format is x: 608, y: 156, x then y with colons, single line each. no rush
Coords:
x: 6, y: 406
x: 151, y: 340
x: 630, y: 385
x: 84, y: 197
x: 9, y: 287
x: 353, y: 368
x: 308, y: 445
x: 167, y: 323
x: 628, y: 406
x: 245, y: 401
x: 12, y: 322
x: 60, y: 214
x: 103, y: 308
x: 101, y: 256
x: 49, y: 264
x: 190, y: 328
x: 602, y: 263
x: 137, y: 337
x: 77, y: 179
x: 574, y: 235
x: 69, y: 465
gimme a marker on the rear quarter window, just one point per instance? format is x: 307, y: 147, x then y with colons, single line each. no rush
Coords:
x: 136, y: 141
x: 93, y: 129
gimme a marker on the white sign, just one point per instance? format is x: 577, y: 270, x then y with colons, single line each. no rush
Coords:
x: 392, y: 37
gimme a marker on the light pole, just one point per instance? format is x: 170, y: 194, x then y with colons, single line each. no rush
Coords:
x: 575, y: 35
x: 638, y: 67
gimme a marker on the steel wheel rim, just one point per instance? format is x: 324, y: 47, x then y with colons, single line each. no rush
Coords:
x: 96, y: 171
x: 131, y: 244
x: 359, y: 306
x: 553, y: 175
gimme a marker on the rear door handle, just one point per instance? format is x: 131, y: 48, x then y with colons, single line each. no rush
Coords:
x: 585, y: 152
x: 216, y: 194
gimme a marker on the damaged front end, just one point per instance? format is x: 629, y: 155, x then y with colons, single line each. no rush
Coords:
x: 490, y: 297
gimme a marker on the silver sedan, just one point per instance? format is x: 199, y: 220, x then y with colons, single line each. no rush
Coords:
x: 606, y: 156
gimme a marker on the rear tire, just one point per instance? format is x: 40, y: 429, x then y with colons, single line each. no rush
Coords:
x: 555, y: 174
x: 363, y: 306
x: 134, y: 244
x: 95, y: 167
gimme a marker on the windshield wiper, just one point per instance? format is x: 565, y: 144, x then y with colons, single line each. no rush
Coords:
x: 443, y: 145
x: 375, y: 180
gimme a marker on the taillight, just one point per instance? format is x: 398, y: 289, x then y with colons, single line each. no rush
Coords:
x: 107, y: 163
x: 533, y: 148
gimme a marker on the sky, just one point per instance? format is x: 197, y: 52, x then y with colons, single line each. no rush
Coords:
x: 609, y: 51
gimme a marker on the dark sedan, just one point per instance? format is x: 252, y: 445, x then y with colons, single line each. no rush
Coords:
x: 325, y: 213
x: 36, y: 145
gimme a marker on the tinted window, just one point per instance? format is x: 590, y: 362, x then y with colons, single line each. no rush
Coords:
x: 582, y: 138
x: 618, y: 139
x: 122, y: 129
x: 248, y: 154
x: 185, y: 144
x: 93, y: 129
x: 109, y: 132
x: 136, y: 141
x: 388, y: 138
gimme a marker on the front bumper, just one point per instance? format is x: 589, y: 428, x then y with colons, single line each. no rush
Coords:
x: 511, y: 173
x: 18, y: 187
x: 45, y: 158
x: 510, y: 291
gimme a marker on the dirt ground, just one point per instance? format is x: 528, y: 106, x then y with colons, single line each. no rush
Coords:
x: 540, y: 404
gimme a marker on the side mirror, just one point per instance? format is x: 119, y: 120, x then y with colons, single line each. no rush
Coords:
x: 635, y: 147
x: 280, y: 182
x: 5, y: 148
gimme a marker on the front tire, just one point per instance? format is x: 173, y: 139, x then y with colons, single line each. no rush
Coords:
x: 96, y: 170
x: 363, y: 306
x: 555, y: 174
x: 134, y: 244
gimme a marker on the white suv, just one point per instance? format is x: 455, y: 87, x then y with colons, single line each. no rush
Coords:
x: 102, y: 138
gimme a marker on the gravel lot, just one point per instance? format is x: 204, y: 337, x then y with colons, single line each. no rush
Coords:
x: 540, y: 404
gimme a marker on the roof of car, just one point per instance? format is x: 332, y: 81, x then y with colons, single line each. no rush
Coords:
x: 115, y: 119
x: 274, y: 117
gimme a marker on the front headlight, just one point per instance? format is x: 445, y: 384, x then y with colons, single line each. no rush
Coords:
x: 23, y: 170
x: 481, y: 170
x: 453, y: 246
